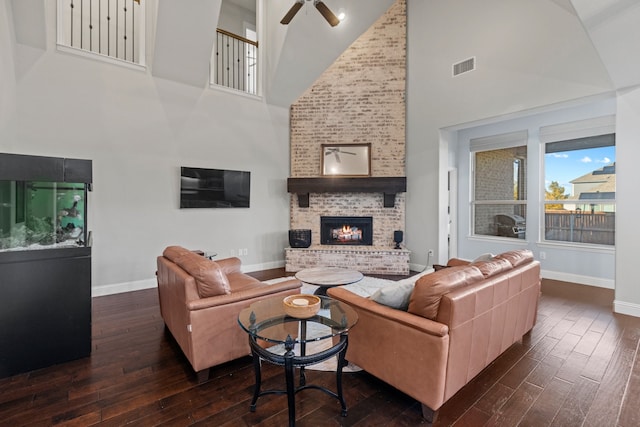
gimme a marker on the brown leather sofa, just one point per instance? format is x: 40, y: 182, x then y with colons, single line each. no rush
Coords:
x: 459, y: 320
x: 200, y: 300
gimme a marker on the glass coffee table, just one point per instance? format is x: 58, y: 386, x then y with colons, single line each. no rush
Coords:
x: 295, y: 343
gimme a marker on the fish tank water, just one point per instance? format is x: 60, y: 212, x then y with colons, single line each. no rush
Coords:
x: 42, y: 215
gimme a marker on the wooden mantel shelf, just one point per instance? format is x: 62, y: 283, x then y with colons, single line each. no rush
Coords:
x: 388, y: 185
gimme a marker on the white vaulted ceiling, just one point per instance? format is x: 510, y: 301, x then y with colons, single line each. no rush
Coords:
x: 552, y: 43
x: 586, y: 43
x: 614, y: 29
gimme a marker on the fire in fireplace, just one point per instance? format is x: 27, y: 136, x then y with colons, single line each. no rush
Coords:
x: 346, y: 230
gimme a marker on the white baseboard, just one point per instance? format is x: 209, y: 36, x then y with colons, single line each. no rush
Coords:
x: 577, y: 278
x: 627, y: 308
x: 262, y: 266
x: 138, y: 285
x: 118, y: 288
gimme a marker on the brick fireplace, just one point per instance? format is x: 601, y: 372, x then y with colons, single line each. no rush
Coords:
x: 359, y: 99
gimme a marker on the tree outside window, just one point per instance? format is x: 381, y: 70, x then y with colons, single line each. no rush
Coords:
x: 580, y: 190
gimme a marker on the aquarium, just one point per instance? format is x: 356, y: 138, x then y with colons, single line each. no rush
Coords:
x: 42, y: 215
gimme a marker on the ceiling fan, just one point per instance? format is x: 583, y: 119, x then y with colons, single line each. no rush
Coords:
x: 322, y: 8
x: 335, y: 152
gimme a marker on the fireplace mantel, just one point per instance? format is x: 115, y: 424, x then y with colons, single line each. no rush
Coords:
x: 389, y: 186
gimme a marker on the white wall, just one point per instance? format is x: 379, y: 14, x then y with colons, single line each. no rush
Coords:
x: 531, y: 54
x: 627, y: 299
x: 232, y: 17
x: 139, y: 130
x: 7, y: 74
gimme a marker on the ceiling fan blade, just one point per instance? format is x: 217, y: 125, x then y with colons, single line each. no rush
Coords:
x: 328, y: 15
x: 292, y: 12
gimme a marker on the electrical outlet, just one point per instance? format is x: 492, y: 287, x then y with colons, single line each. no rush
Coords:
x: 543, y: 255
x: 430, y: 252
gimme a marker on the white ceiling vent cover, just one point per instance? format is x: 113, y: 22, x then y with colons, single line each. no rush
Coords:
x: 464, y: 66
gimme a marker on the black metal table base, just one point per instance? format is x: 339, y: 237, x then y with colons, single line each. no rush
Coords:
x: 322, y: 291
x: 290, y: 361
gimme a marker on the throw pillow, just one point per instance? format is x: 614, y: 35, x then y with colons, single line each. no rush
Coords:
x: 395, y: 295
x: 484, y: 257
x: 426, y: 296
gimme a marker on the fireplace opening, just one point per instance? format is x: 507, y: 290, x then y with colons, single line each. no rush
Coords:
x: 346, y: 230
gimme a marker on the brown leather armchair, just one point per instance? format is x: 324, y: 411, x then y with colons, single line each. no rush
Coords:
x: 200, y: 300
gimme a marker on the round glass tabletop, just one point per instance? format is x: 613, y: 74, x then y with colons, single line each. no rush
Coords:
x: 267, y: 320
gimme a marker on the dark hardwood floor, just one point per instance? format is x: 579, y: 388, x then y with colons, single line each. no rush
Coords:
x: 578, y: 366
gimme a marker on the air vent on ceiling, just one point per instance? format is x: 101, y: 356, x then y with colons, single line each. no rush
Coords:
x: 464, y: 66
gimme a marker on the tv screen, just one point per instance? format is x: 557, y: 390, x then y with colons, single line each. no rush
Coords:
x: 214, y: 188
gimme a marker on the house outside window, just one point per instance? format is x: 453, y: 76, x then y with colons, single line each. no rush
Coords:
x: 108, y: 30
x: 580, y: 190
x: 499, y: 199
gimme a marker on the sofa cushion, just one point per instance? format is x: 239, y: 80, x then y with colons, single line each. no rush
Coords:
x: 456, y: 262
x: 492, y: 267
x: 174, y: 252
x: 210, y: 279
x: 516, y: 258
x: 429, y: 289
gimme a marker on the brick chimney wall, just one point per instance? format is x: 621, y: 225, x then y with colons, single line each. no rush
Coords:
x: 360, y: 98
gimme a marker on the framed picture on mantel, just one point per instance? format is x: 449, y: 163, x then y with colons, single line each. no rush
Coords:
x: 346, y: 159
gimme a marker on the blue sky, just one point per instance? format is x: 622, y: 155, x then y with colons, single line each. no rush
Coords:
x: 569, y: 165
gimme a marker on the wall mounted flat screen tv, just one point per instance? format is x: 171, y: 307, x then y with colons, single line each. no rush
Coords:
x: 214, y: 188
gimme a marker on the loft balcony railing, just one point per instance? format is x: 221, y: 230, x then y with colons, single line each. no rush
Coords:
x: 235, y: 63
x: 112, y: 29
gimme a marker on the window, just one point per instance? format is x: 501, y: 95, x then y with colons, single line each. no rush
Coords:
x: 580, y: 190
x: 251, y: 59
x: 112, y: 30
x: 234, y: 60
x: 500, y: 185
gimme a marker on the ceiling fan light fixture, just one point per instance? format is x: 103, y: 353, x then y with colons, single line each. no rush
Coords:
x: 319, y: 4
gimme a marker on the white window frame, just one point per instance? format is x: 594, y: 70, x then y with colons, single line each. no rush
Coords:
x: 604, y: 125
x: 492, y: 143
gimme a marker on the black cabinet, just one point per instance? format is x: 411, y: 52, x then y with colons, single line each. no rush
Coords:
x: 45, y: 308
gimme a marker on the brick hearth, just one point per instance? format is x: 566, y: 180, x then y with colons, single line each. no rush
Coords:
x: 368, y: 261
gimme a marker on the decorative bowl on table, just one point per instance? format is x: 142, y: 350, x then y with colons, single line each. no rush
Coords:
x: 301, y: 306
